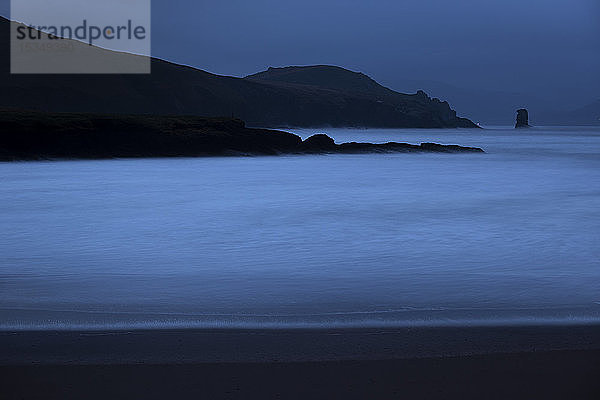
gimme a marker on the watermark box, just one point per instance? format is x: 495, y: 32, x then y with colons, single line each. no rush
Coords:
x: 80, y: 37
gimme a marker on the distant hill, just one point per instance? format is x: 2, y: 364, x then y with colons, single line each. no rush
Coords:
x: 315, y: 96
x: 328, y: 77
x: 415, y: 110
x: 587, y: 115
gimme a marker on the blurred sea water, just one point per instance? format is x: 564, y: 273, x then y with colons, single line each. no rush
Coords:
x: 510, y: 236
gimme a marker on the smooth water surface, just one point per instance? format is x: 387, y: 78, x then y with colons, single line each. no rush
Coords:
x: 509, y: 236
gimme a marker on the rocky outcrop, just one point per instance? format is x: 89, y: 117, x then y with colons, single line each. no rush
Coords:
x: 319, y: 142
x: 38, y: 135
x: 522, y: 118
x: 394, y: 147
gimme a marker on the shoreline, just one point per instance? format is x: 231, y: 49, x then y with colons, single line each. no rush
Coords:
x: 176, y: 346
x: 25, y: 319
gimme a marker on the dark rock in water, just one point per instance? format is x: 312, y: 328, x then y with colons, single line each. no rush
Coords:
x: 522, y: 119
x: 449, y: 148
x: 394, y: 147
x: 320, y: 142
x: 27, y: 135
x: 324, y: 144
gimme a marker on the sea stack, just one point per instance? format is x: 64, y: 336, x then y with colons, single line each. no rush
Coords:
x: 522, y: 118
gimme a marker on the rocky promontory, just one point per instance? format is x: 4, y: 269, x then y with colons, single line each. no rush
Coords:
x: 29, y: 135
x: 311, y: 97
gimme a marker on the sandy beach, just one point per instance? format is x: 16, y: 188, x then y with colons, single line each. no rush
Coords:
x: 475, y: 362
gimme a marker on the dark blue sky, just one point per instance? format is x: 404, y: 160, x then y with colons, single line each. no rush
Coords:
x: 501, y: 44
x: 551, y: 47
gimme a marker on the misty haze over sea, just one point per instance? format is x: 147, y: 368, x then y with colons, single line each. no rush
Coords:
x: 314, y: 240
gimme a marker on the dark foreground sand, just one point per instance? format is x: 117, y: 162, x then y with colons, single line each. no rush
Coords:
x: 557, y: 362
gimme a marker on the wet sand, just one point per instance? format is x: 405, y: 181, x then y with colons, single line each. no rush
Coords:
x: 470, y: 362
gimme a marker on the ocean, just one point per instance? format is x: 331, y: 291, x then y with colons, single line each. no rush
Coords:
x: 511, y: 236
